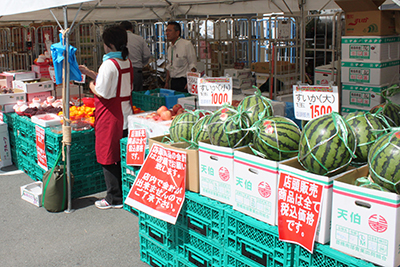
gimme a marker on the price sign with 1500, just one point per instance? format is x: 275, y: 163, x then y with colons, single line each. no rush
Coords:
x: 215, y: 91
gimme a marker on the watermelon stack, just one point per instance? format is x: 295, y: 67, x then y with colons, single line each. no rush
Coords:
x: 367, y: 128
x: 383, y: 161
x: 389, y: 112
x: 199, y: 129
x: 327, y: 145
x: 181, y: 126
x: 276, y: 138
x: 256, y: 107
x: 226, y: 127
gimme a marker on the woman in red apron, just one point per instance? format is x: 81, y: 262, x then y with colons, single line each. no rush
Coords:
x: 112, y: 90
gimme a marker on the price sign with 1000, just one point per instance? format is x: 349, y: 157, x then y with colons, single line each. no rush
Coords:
x: 215, y: 91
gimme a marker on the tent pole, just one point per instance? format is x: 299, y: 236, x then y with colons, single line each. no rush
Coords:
x: 66, y: 110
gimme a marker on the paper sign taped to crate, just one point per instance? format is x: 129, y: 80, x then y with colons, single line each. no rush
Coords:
x: 159, y: 189
x: 214, y: 91
x: 41, y: 147
x: 192, y: 80
x: 299, y: 205
x: 136, y: 146
x: 314, y: 101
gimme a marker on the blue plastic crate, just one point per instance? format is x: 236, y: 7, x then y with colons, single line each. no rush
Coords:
x: 256, y: 240
x: 153, y: 99
x: 324, y: 256
x: 154, y: 254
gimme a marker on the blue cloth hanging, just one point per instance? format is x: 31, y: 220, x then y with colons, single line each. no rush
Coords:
x: 57, y: 53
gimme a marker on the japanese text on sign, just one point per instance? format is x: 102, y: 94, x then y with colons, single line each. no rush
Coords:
x: 41, y: 148
x: 314, y: 101
x: 214, y: 91
x: 136, y: 146
x: 299, y: 205
x: 192, y: 80
x: 159, y: 188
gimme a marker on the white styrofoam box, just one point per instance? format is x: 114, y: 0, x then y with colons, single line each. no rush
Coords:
x: 46, y: 120
x: 243, y: 83
x: 34, y: 86
x: 41, y: 95
x: 12, y: 98
x: 216, y: 172
x: 21, y: 74
x: 323, y: 75
x: 32, y: 193
x: 5, y: 149
x: 365, y: 221
x: 361, y: 95
x: 73, y: 90
x: 7, y: 108
x: 375, y: 48
x: 256, y: 185
x: 292, y: 168
x: 238, y: 73
x: 370, y: 73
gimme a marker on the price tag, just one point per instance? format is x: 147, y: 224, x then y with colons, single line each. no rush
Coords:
x: 192, y: 78
x: 136, y: 146
x: 41, y: 148
x: 313, y: 101
x: 215, y: 91
x: 159, y: 188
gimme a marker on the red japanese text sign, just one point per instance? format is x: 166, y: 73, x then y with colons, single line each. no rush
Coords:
x: 159, y: 188
x: 136, y: 146
x: 41, y: 148
x: 299, y: 205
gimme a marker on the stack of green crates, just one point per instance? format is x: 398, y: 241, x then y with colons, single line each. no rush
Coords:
x: 12, y: 123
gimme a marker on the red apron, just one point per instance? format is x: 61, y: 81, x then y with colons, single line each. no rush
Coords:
x: 109, y: 122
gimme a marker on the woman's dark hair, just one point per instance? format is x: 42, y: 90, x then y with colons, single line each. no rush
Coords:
x: 127, y: 25
x: 116, y: 35
x: 177, y: 26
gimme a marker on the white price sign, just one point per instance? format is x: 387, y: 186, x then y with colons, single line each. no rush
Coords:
x: 313, y: 101
x: 192, y: 80
x: 214, y: 91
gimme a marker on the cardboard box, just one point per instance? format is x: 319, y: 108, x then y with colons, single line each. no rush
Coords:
x: 12, y: 98
x: 192, y: 161
x: 370, y: 73
x: 323, y: 75
x: 284, y: 82
x: 347, y: 110
x: 365, y: 222
x: 374, y: 48
x: 361, y: 96
x: 6, y: 80
x: 41, y: 69
x: 216, y: 172
x: 34, y: 86
x: 243, y: 83
x: 41, y: 95
x: 21, y: 74
x: 238, y: 73
x: 32, y: 193
x: 292, y: 167
x: 281, y: 67
x: 73, y: 91
x: 7, y: 108
x: 5, y: 149
x: 256, y: 185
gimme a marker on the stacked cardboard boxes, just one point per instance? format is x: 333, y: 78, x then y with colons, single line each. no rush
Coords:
x: 241, y: 79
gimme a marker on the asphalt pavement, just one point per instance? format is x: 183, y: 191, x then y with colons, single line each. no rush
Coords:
x: 32, y: 236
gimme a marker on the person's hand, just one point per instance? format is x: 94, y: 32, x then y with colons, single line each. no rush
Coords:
x: 166, y: 86
x: 83, y: 69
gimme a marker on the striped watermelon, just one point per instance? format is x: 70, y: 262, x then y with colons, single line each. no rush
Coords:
x: 363, y: 125
x: 225, y: 127
x: 256, y: 107
x: 181, y: 126
x: 383, y: 161
x: 277, y: 138
x: 199, y: 129
x: 327, y: 145
x: 390, y: 112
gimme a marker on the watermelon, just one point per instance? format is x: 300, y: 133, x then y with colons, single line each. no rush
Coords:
x: 383, y: 161
x: 256, y: 107
x: 199, y: 129
x: 367, y: 128
x: 367, y: 183
x: 390, y: 113
x: 327, y: 145
x: 225, y: 127
x: 181, y: 126
x: 277, y: 138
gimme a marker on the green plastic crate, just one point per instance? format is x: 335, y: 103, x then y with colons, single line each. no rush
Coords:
x: 324, y: 256
x: 127, y: 182
x: 24, y: 163
x: 256, y: 240
x: 80, y: 163
x: 156, y: 98
x: 232, y: 259
x: 88, y: 184
x: 26, y: 128
x: 37, y: 172
x: 154, y: 254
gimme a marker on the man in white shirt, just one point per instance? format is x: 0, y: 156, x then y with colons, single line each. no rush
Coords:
x: 139, y: 54
x: 181, y: 58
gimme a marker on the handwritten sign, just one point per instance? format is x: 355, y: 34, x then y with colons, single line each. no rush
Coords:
x: 192, y: 80
x: 314, y: 101
x: 41, y: 147
x: 214, y: 91
x: 159, y: 188
x: 136, y: 147
x: 299, y: 205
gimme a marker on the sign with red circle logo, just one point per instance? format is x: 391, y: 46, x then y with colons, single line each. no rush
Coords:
x: 223, y: 174
x: 377, y: 223
x: 264, y: 189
